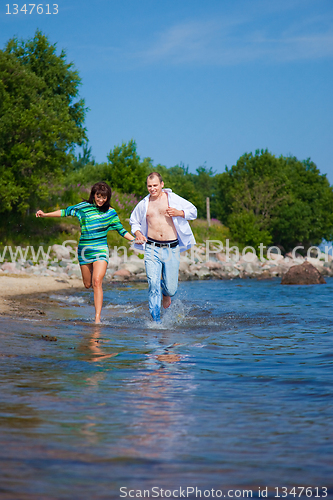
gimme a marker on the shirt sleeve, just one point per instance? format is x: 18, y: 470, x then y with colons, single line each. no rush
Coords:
x: 116, y: 225
x: 70, y: 211
x: 136, y: 218
x: 190, y: 211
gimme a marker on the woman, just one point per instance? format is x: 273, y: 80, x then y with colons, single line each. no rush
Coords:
x: 96, y: 218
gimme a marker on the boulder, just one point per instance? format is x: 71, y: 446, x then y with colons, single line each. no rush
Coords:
x: 294, y: 255
x: 250, y: 268
x: 124, y: 273
x: 317, y: 263
x: 201, y: 273
x: 221, y: 257
x: 249, y: 257
x: 276, y: 256
x: 303, y: 274
x: 265, y: 275
x: 280, y: 270
x: 184, y: 267
x: 234, y: 273
x: 212, y: 265
x: 233, y: 257
x: 134, y: 267
x: 11, y: 267
x: 135, y: 258
x: 61, y: 251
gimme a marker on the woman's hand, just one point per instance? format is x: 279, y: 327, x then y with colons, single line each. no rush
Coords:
x: 40, y: 213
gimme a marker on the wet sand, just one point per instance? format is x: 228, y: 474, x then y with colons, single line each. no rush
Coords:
x: 23, y: 295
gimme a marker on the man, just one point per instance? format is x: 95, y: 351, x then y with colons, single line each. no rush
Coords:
x: 160, y: 221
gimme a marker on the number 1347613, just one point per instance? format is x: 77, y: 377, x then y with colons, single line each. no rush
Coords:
x: 31, y: 8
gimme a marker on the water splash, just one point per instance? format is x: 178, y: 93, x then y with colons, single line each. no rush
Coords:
x: 176, y: 314
x: 69, y: 299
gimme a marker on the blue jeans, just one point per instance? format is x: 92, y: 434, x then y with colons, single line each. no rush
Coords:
x: 161, y: 261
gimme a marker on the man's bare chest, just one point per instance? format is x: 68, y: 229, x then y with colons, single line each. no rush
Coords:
x: 157, y: 209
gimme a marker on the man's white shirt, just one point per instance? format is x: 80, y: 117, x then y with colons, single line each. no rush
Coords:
x: 138, y: 220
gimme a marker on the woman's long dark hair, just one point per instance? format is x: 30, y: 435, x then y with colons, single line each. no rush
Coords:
x: 104, y: 189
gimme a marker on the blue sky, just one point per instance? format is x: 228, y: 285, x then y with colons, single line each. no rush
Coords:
x: 198, y: 81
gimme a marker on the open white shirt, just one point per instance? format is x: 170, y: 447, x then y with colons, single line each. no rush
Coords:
x: 138, y: 220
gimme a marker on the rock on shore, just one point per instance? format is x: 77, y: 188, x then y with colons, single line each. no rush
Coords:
x: 305, y: 274
x: 194, y: 265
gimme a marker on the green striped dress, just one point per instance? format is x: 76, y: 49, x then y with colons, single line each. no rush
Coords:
x: 94, y: 228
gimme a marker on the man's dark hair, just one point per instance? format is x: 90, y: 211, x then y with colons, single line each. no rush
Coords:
x: 155, y: 174
x: 104, y: 189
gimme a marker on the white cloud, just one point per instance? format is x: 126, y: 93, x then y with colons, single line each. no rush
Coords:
x: 257, y: 31
x: 184, y: 42
x: 221, y: 42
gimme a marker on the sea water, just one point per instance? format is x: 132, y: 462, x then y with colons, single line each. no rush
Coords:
x: 232, y: 393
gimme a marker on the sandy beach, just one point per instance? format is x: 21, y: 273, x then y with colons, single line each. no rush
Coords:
x: 18, y: 294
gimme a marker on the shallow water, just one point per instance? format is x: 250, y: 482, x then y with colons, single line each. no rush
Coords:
x: 232, y: 391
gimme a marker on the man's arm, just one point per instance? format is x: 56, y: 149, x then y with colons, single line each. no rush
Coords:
x: 189, y: 211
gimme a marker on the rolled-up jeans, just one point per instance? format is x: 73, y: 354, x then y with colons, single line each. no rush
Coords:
x: 161, y: 261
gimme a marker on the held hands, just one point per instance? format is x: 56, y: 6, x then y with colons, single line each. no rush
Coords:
x: 140, y: 239
x: 173, y: 212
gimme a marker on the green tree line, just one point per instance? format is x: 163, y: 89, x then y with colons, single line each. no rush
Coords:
x: 261, y: 199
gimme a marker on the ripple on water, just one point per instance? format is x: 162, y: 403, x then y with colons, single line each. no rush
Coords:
x: 234, y: 387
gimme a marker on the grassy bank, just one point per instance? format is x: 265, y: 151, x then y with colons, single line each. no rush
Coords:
x: 27, y: 230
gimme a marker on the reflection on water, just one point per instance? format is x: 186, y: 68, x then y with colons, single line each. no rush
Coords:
x: 232, y: 390
x: 92, y: 346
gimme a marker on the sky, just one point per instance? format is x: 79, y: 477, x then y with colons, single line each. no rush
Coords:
x: 197, y: 82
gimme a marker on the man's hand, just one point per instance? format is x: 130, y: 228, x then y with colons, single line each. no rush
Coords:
x: 140, y: 238
x: 173, y: 212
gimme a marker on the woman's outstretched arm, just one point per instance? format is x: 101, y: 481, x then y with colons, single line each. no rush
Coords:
x: 129, y: 237
x: 40, y: 213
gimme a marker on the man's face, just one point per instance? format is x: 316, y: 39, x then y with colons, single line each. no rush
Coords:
x: 154, y: 186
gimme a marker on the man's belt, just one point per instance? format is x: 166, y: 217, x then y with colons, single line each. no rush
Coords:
x: 162, y: 244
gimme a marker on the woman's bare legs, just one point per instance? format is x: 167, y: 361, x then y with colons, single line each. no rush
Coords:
x: 92, y: 275
x: 99, y: 270
x: 86, y: 271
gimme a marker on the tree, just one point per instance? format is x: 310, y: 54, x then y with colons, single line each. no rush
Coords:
x: 40, y: 120
x: 59, y: 76
x: 179, y: 180
x: 275, y: 200
x: 193, y: 187
x: 85, y: 159
x: 204, y: 183
x: 125, y: 171
x: 307, y: 217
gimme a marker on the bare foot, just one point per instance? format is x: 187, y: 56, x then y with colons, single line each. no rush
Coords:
x: 166, y: 301
x: 97, y: 319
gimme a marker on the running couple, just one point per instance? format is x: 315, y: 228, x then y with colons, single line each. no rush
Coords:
x: 159, y: 222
